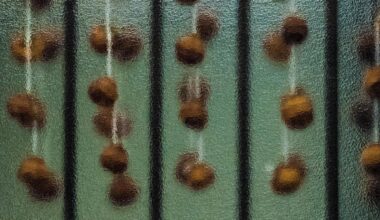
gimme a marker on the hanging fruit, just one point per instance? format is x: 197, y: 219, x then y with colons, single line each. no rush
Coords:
x: 372, y: 82
x: 297, y: 110
x: 190, y: 49
x: 194, y: 115
x: 288, y: 175
x: 207, y: 24
x: 123, y: 190
x: 114, y: 158
x: 370, y: 158
x: 103, y: 122
x: 103, y: 91
x: 276, y: 48
x: 294, y: 30
x: 27, y: 109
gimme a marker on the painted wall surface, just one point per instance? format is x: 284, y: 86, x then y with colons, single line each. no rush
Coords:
x: 269, y: 81
x: 15, y: 140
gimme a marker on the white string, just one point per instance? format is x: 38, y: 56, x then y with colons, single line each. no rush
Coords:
x: 190, y: 88
x: 285, y: 142
x: 195, y: 14
x: 34, y: 138
x: 114, y: 125
x: 292, y: 83
x: 109, y: 38
x: 28, y: 42
x: 197, y: 86
x: 197, y: 95
x: 292, y: 70
x: 376, y: 121
x: 201, y: 151
x: 292, y: 6
x: 109, y: 65
x: 28, y: 68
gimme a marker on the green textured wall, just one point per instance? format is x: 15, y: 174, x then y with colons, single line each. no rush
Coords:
x: 268, y: 80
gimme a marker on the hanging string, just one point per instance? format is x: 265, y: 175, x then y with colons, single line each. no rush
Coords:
x: 201, y: 151
x: 28, y: 42
x: 292, y: 75
x: 292, y: 70
x: 292, y: 64
x: 109, y: 38
x: 114, y: 126
x: 292, y: 6
x: 285, y: 141
x: 195, y: 82
x: 195, y: 15
x: 34, y: 138
x: 109, y: 64
x: 28, y: 69
x: 197, y: 86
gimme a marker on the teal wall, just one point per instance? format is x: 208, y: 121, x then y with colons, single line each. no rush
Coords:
x: 269, y: 82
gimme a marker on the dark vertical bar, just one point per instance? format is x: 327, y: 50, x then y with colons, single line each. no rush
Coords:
x: 243, y: 87
x: 70, y: 110
x: 332, y: 160
x: 156, y: 112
